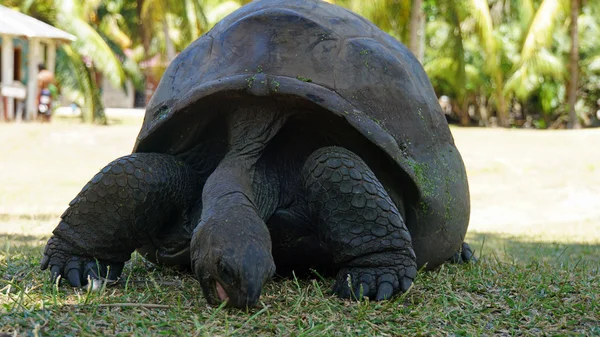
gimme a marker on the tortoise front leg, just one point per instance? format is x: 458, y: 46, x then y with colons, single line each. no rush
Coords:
x: 122, y: 208
x: 360, y: 224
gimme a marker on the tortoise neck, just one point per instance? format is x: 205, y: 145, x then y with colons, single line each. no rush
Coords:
x: 233, y: 184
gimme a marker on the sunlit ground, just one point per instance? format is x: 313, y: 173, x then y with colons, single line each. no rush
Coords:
x: 535, y: 222
x: 543, y: 185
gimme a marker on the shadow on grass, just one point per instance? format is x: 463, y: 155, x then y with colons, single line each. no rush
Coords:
x: 4, y: 217
x: 25, y: 242
x: 492, y: 247
x: 522, y: 249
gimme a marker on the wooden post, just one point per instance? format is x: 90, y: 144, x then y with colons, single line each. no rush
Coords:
x: 8, y: 73
x: 32, y: 86
x: 51, y: 56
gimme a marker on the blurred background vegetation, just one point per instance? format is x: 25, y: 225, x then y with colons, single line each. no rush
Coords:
x: 511, y: 63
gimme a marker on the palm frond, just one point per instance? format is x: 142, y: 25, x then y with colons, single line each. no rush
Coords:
x: 526, y: 14
x: 90, y: 43
x: 541, y: 29
x: 526, y: 79
x: 26, y: 5
x: 128, y: 64
x: 444, y: 68
x: 110, y: 26
x: 535, y: 59
x: 521, y: 83
x: 548, y: 64
x: 218, y: 12
x: 480, y: 11
x: 76, y: 81
x: 594, y: 64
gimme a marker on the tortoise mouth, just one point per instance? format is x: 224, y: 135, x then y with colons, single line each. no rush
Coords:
x: 221, y: 293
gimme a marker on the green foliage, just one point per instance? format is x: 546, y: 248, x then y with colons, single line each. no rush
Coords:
x: 589, y: 92
x: 504, y: 51
x: 492, y: 55
x: 525, y: 48
x: 392, y: 16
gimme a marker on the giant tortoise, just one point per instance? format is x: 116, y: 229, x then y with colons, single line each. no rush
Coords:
x: 293, y: 135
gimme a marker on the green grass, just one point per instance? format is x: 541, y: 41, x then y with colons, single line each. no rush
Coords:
x: 518, y: 288
x: 534, y: 226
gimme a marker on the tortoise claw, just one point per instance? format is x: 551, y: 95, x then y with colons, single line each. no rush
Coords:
x: 54, y: 273
x: 405, y: 284
x: 74, y: 278
x: 114, y: 272
x: 44, y: 262
x: 361, y: 291
x: 385, y: 291
x: 74, y: 268
x: 375, y: 283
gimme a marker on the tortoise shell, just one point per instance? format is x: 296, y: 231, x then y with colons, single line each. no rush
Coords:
x: 313, y: 51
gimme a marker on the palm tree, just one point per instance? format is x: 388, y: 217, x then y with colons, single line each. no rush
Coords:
x: 532, y: 36
x: 462, y: 32
x: 480, y: 11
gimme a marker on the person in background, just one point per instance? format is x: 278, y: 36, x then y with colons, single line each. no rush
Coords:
x: 47, y: 91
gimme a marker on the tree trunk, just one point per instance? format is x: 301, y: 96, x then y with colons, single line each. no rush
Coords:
x: 465, y: 119
x: 416, y: 16
x: 168, y: 42
x: 422, y: 37
x: 501, y: 111
x: 574, y: 65
x: 141, y: 29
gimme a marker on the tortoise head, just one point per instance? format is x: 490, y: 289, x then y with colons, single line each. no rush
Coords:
x: 232, y: 259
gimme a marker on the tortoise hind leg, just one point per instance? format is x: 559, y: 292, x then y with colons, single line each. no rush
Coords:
x: 360, y: 224
x: 464, y: 255
x: 124, y: 207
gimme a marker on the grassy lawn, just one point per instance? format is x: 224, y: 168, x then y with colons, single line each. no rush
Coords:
x: 535, y: 226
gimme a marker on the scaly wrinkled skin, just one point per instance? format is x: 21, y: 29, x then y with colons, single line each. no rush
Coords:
x: 123, y: 207
x: 360, y: 224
